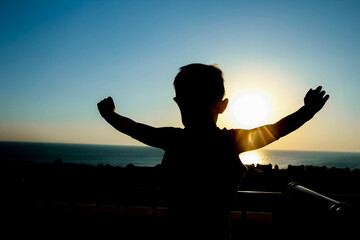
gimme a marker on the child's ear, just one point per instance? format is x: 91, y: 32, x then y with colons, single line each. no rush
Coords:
x: 222, y: 105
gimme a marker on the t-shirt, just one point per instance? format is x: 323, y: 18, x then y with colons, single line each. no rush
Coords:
x: 202, y: 170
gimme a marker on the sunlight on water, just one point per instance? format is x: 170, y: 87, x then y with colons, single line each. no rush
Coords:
x: 252, y: 157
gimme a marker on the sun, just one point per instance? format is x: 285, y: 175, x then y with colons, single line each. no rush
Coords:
x: 252, y: 157
x: 250, y: 109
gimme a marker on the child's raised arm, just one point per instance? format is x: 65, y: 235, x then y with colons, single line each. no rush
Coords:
x: 247, y: 140
x: 156, y: 137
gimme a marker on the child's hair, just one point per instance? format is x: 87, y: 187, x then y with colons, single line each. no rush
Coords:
x: 203, y: 82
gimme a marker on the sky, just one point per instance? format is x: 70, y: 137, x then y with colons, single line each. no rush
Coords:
x: 59, y: 58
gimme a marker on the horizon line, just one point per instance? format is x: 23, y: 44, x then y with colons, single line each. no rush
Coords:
x: 144, y: 145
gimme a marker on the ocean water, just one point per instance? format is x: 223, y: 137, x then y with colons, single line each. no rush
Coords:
x: 284, y: 158
x: 147, y: 156
x: 81, y: 153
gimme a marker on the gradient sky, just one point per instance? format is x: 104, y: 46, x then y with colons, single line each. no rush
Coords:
x: 59, y: 58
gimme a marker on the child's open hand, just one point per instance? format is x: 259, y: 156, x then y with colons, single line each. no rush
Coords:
x: 106, y: 106
x: 315, y: 99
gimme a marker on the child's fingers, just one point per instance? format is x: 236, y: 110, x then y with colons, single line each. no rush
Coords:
x: 322, y: 94
x: 105, y: 102
x: 326, y: 98
x: 309, y: 93
x: 318, y: 89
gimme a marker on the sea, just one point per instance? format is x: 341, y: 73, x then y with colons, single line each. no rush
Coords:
x: 122, y: 156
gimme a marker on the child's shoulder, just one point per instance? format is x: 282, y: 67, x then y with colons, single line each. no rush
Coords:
x: 234, y: 134
x: 170, y: 131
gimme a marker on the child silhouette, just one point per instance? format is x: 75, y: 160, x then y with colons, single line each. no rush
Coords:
x: 201, y: 162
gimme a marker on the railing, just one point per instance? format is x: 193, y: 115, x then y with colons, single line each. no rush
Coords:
x: 145, y: 199
x: 153, y: 198
x: 253, y: 211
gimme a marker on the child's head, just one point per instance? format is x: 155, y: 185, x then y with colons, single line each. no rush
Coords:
x: 199, y: 91
x: 200, y: 81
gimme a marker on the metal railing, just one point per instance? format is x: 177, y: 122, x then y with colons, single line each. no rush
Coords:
x: 244, y: 201
x: 257, y: 211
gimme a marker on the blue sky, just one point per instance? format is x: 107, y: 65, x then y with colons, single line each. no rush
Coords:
x: 59, y: 58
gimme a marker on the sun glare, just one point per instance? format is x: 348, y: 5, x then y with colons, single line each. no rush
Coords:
x: 250, y: 158
x: 250, y: 109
